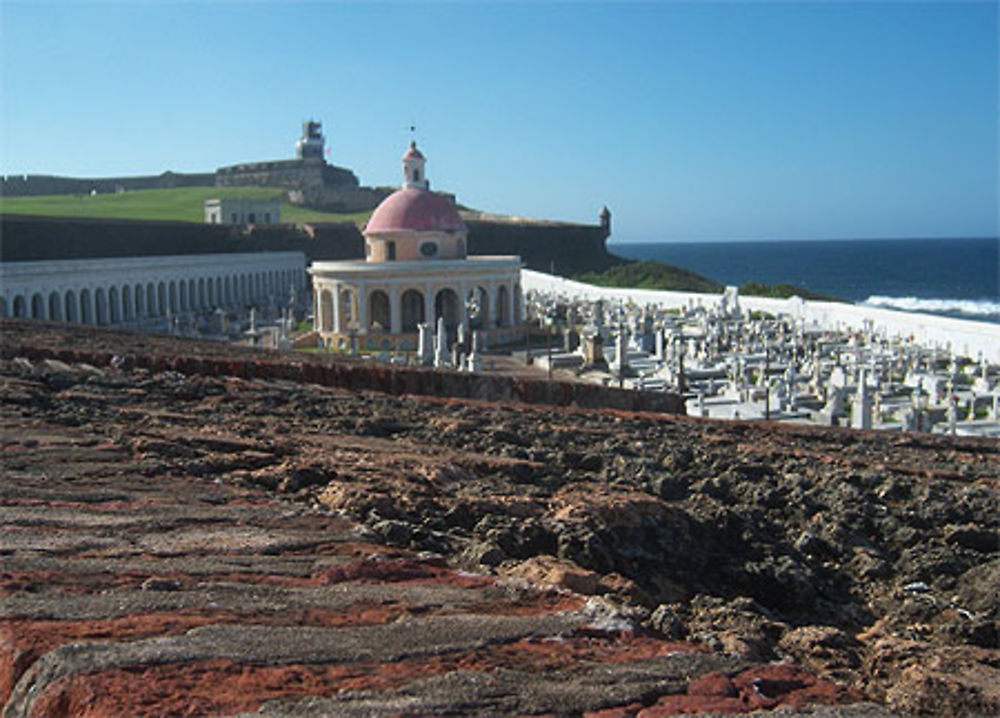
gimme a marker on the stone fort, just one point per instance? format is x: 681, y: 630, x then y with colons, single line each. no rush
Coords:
x: 308, y: 179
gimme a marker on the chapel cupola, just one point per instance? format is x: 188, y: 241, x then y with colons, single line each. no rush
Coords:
x: 413, y: 169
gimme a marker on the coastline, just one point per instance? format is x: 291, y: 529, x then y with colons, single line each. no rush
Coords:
x: 964, y: 336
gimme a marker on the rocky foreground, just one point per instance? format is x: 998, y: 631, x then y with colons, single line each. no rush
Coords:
x: 186, y: 544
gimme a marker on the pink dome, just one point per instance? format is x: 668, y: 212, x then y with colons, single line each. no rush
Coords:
x: 414, y: 210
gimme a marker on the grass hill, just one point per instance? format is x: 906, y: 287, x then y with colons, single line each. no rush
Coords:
x: 651, y: 275
x: 183, y: 204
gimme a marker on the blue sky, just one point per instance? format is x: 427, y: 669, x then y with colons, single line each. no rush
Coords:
x: 691, y: 121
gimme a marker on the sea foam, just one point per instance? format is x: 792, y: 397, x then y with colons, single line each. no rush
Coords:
x: 968, y: 307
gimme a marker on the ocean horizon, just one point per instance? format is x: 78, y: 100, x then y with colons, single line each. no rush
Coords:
x: 955, y: 277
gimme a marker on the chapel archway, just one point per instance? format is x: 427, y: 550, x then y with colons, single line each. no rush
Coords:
x: 379, y: 313
x: 412, y: 309
x: 446, y: 305
x: 326, y: 310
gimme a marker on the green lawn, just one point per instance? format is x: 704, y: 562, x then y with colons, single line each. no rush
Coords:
x: 185, y: 204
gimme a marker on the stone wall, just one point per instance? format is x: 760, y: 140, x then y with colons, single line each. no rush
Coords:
x: 284, y: 173
x: 37, y: 185
x: 564, y: 249
x: 309, y: 182
x: 570, y: 248
x: 28, y: 239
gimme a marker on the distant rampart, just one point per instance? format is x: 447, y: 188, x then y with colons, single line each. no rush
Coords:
x: 38, y: 185
x: 568, y: 248
x: 564, y: 249
x: 284, y: 173
x: 310, y: 182
x: 26, y: 239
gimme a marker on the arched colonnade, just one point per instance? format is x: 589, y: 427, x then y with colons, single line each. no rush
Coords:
x: 344, y: 307
x: 132, y: 289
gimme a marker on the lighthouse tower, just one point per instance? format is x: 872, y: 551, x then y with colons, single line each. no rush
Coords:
x: 310, y: 145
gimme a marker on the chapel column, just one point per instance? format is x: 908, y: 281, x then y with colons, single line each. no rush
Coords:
x: 362, y: 295
x: 395, y: 310
x: 463, y: 310
x: 318, y: 310
x: 491, y: 305
x: 338, y: 326
x: 510, y: 305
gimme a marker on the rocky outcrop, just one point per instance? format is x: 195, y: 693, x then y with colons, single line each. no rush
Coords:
x: 83, y: 344
x: 189, y: 543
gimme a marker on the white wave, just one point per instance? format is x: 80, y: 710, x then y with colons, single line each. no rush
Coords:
x: 971, y: 307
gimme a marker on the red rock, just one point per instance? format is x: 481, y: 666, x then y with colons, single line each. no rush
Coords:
x: 713, y: 684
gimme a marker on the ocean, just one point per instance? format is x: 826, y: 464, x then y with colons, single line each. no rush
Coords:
x: 951, y: 277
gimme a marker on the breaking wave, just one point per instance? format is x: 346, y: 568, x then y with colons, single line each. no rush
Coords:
x: 973, y: 308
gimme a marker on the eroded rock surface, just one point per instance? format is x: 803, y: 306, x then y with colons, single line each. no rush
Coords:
x: 212, y: 545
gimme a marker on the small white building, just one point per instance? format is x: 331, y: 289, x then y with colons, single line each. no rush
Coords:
x: 242, y: 211
x: 416, y: 271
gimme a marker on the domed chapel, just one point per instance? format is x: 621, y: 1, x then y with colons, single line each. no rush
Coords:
x: 416, y: 270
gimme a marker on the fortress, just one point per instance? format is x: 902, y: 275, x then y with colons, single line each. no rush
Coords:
x: 561, y: 247
x: 308, y: 179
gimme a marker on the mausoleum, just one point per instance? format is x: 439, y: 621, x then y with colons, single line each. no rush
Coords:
x: 416, y: 270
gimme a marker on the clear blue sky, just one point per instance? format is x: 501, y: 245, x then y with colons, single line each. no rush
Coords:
x: 691, y: 121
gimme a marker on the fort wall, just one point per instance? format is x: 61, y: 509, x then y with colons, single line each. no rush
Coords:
x: 557, y: 248
x: 32, y: 239
x: 569, y: 248
x: 310, y: 182
x: 40, y: 185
